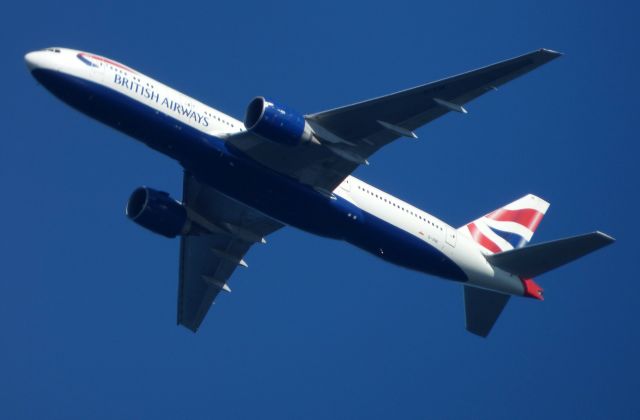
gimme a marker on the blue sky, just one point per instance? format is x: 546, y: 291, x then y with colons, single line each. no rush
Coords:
x: 317, y: 328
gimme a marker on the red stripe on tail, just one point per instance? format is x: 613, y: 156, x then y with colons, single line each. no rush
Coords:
x: 528, y: 218
x: 481, y: 239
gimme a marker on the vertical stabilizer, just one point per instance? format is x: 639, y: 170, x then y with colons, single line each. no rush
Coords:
x: 509, y: 227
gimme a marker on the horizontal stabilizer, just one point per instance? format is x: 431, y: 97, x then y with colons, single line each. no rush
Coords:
x: 534, y: 260
x: 482, y: 309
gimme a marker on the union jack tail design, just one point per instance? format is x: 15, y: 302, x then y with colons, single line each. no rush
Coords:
x: 509, y: 227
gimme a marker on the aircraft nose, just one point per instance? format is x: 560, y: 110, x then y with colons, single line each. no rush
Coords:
x: 33, y: 60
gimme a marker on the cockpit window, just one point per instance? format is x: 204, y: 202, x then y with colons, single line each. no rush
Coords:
x: 55, y: 50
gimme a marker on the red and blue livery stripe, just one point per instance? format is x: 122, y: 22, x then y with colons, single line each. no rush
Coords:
x: 482, y: 239
x: 87, y: 59
x: 517, y: 241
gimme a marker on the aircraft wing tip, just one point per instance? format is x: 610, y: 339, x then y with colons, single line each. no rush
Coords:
x: 551, y: 53
x: 608, y: 238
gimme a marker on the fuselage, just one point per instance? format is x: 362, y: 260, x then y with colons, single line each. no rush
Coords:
x: 194, y: 134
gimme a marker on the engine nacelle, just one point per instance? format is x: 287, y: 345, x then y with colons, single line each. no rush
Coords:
x: 277, y: 123
x: 158, y: 212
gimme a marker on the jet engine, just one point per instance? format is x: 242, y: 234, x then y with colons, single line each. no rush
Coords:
x: 277, y: 123
x: 157, y: 211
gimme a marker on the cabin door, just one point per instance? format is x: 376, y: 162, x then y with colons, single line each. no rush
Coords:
x: 452, y: 237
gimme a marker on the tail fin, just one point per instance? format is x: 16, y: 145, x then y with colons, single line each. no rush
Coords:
x: 509, y: 227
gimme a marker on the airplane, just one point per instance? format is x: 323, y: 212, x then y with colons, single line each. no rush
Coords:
x: 244, y: 180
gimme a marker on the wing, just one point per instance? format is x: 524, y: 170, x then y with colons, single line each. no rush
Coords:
x: 207, y: 260
x: 355, y: 132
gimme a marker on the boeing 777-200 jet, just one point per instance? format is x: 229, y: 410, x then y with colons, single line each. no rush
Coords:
x: 245, y: 180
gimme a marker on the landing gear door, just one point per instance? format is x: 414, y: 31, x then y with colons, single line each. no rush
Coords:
x: 452, y: 237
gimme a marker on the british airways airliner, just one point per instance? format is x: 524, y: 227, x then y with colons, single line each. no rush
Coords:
x: 244, y: 180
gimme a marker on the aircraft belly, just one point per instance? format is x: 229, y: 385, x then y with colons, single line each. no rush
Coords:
x: 300, y: 206
x: 270, y: 193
